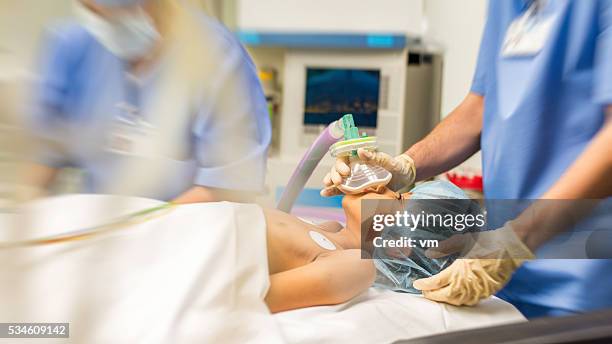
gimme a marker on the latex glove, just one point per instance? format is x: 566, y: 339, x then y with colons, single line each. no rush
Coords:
x: 338, y: 172
x: 490, y: 261
x: 402, y: 169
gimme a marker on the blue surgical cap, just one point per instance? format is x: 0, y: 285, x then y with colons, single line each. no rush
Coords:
x: 118, y: 2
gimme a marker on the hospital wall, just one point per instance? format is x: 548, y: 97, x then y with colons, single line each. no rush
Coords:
x: 456, y: 27
x: 22, y: 23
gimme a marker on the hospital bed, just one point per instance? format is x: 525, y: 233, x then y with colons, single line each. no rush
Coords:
x: 590, y: 328
x: 383, y: 316
x: 175, y: 270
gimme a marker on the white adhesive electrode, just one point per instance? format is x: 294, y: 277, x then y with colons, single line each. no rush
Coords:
x: 322, y: 241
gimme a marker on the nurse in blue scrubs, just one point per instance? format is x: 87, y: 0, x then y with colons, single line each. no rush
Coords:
x: 150, y: 98
x: 540, y: 108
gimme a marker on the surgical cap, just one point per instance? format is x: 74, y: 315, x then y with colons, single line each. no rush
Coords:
x: 398, y: 269
x: 118, y: 2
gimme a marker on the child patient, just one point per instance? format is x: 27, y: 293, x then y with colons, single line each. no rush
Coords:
x: 314, y: 265
x: 304, y: 273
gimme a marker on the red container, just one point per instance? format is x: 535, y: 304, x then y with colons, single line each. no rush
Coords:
x: 472, y: 183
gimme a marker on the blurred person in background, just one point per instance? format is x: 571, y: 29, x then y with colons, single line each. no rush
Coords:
x: 149, y: 98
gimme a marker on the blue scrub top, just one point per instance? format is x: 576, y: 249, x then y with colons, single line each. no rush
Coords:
x: 541, y: 112
x: 225, y: 133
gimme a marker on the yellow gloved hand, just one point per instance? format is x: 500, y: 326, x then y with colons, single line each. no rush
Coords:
x: 488, y: 265
x: 402, y: 169
x: 338, y: 172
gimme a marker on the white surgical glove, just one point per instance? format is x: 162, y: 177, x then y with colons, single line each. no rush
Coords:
x: 488, y: 265
x: 402, y: 169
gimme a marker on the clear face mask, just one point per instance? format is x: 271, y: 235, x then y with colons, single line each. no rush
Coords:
x: 128, y: 36
x: 363, y: 176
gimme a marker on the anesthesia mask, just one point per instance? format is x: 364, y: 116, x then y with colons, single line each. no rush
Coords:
x: 363, y: 176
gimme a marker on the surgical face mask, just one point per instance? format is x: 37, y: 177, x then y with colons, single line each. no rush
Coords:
x: 128, y: 36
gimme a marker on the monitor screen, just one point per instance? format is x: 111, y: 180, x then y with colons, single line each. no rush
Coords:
x: 332, y: 93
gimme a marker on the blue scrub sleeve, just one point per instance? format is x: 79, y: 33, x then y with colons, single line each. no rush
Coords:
x: 233, y: 134
x: 58, y: 57
x: 486, y: 57
x: 499, y: 16
x: 603, y: 62
x: 479, y: 80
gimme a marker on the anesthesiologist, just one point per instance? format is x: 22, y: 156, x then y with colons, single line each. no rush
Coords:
x: 540, y: 108
x: 150, y: 98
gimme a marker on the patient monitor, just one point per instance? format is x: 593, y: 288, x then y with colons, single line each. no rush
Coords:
x: 392, y: 94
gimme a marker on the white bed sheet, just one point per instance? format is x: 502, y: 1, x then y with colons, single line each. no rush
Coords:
x: 196, y: 274
x: 384, y: 316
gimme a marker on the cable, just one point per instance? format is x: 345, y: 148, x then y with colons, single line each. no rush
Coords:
x: 87, y: 233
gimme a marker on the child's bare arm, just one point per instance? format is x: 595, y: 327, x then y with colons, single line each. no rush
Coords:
x: 329, y: 280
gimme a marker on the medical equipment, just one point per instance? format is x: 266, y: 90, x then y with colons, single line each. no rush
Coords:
x: 393, y: 94
x: 309, y: 162
x: 322, y: 241
x: 363, y: 175
x: 330, y: 65
x: 269, y: 82
x: 279, y: 16
x: 87, y: 233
